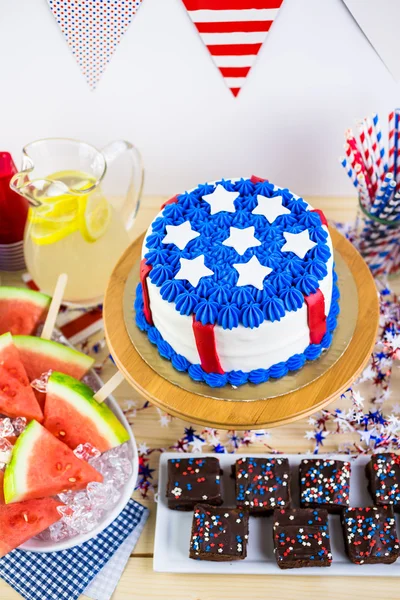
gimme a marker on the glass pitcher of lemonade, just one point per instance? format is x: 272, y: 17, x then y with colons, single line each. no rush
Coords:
x: 83, y: 204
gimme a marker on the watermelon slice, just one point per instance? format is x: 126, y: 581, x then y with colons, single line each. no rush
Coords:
x: 16, y: 394
x: 42, y: 466
x: 72, y: 415
x: 22, y: 521
x: 21, y: 310
x: 2, y: 501
x: 39, y: 356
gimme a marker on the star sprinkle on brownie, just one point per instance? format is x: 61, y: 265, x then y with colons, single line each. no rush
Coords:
x: 370, y: 535
x: 262, y: 484
x: 219, y: 534
x: 324, y: 484
x: 193, y: 480
x: 301, y: 538
x: 383, y: 472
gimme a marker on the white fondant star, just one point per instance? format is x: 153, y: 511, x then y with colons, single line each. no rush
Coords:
x: 241, y: 239
x: 270, y: 207
x: 299, y: 243
x: 252, y: 273
x: 220, y: 199
x: 180, y: 235
x: 193, y: 269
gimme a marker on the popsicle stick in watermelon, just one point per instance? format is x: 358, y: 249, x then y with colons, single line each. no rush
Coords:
x: 42, y: 466
x: 58, y: 295
x: 73, y: 416
x: 109, y: 387
x: 17, y: 398
x: 21, y: 521
x: 22, y: 310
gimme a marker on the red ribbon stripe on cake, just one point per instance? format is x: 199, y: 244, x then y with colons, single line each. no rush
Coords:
x: 316, y: 316
x: 321, y: 215
x: 206, y: 347
x: 173, y: 200
x: 144, y: 273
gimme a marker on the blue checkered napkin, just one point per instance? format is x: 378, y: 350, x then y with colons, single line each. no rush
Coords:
x: 65, y: 575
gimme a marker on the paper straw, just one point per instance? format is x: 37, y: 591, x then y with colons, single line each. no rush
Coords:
x: 391, y: 142
x: 373, y: 143
x: 364, y: 141
x: 349, y: 171
x: 388, y: 202
x: 359, y: 166
x: 364, y: 194
x: 396, y: 171
x: 381, y: 147
x: 380, y: 196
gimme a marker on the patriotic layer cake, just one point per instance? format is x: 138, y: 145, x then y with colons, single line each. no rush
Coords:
x: 238, y: 282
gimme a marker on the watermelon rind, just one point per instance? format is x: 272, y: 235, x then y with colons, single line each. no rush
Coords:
x: 16, y: 293
x: 80, y: 397
x: 5, y: 340
x: 15, y: 477
x: 54, y: 349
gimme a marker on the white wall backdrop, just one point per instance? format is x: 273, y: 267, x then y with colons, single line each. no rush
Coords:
x: 314, y: 76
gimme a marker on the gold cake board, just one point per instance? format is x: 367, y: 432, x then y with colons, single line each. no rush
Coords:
x: 278, y: 408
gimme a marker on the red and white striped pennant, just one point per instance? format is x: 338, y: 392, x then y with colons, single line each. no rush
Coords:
x: 233, y: 31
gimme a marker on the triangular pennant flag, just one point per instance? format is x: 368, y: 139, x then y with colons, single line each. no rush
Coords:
x: 379, y: 22
x: 233, y: 31
x: 93, y: 30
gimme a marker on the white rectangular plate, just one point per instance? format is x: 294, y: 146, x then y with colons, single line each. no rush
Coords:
x: 173, y: 528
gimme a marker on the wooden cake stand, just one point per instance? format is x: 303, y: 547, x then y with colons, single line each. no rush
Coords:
x: 256, y: 414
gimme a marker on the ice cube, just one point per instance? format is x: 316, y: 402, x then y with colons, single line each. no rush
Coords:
x: 57, y: 532
x: 5, y: 452
x: 86, y: 451
x: 103, y: 495
x: 40, y: 384
x: 19, y: 424
x: 85, y: 509
x: 6, y: 427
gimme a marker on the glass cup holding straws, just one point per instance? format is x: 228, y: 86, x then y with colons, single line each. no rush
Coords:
x: 375, y: 172
x: 378, y: 240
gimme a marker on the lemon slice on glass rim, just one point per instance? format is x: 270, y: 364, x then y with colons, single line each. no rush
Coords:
x: 94, y: 216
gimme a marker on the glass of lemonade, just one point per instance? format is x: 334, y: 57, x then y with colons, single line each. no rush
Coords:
x: 83, y: 204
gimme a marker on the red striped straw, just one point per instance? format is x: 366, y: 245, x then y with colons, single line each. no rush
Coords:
x: 352, y: 150
x: 368, y: 159
x: 397, y: 145
x: 373, y: 143
x: 391, y: 143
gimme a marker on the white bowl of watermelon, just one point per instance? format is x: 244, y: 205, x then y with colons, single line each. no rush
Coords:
x: 73, y: 463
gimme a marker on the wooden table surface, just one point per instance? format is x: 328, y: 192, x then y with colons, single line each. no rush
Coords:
x: 139, y: 582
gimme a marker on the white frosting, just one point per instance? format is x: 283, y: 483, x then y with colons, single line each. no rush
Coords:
x: 241, y: 239
x: 180, y: 235
x: 252, y: 273
x: 241, y: 348
x: 271, y: 208
x: 299, y: 243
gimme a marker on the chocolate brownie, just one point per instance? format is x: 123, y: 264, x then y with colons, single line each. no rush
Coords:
x: 219, y: 534
x: 324, y: 484
x: 262, y: 484
x: 383, y: 473
x: 370, y: 535
x: 301, y: 538
x: 193, y: 480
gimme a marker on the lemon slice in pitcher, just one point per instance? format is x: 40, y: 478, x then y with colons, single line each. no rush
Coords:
x: 63, y: 211
x: 94, y: 216
x: 47, y: 233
